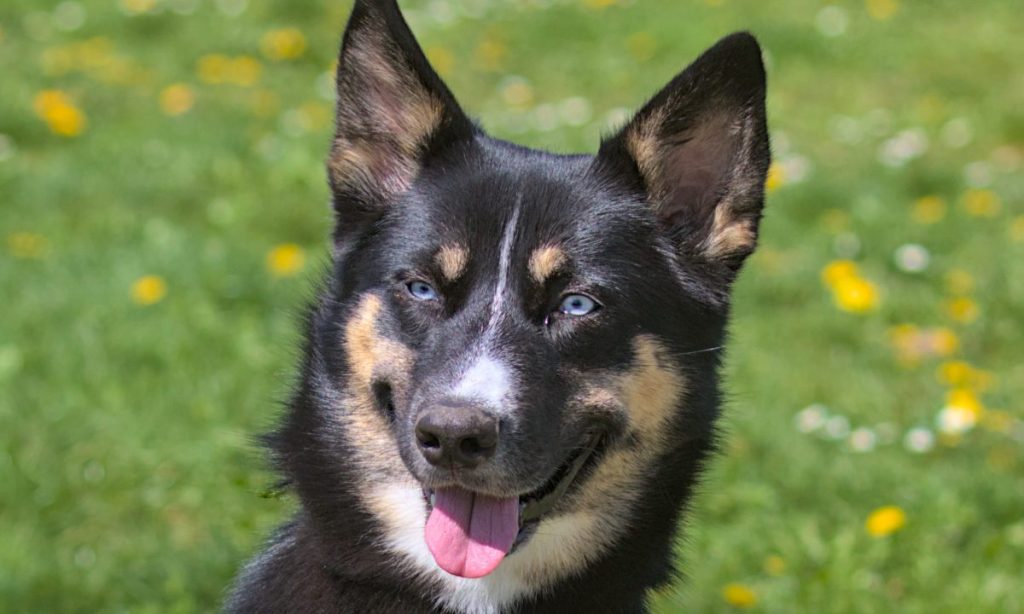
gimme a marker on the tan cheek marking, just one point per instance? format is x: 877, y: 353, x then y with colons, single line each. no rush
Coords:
x: 452, y: 260
x: 649, y: 394
x: 652, y: 389
x: 545, y: 262
x: 371, y: 355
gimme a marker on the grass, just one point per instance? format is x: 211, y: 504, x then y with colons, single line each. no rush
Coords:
x: 129, y: 481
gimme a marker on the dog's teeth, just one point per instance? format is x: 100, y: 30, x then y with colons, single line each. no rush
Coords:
x: 431, y: 499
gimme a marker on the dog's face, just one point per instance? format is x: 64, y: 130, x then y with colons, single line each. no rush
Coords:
x: 517, y: 336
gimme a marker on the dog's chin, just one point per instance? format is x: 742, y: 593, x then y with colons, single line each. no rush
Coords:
x: 536, y: 504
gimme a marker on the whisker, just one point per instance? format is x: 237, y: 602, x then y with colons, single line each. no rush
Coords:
x: 714, y: 349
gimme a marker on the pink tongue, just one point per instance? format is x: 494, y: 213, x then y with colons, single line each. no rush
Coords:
x: 469, y: 534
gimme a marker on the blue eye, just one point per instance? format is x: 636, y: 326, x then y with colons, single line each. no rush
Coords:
x: 422, y: 291
x: 577, y: 305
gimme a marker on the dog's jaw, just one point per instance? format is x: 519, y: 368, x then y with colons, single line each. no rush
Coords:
x: 561, y: 547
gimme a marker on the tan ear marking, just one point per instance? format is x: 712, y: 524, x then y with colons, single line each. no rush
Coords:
x: 545, y: 262
x: 377, y: 152
x: 452, y: 260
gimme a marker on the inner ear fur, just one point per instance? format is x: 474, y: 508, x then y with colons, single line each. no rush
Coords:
x: 700, y: 151
x: 393, y: 111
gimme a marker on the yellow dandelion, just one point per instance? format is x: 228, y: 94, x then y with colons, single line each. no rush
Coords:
x: 177, y: 99
x: 137, y: 7
x: 959, y: 282
x: 285, y: 260
x: 518, y: 93
x: 58, y: 111
x: 955, y: 373
x: 283, y: 44
x: 965, y: 399
x: 981, y: 203
x: 912, y: 344
x: 598, y: 4
x: 641, y: 46
x: 441, y: 59
x: 961, y: 413
x: 213, y: 68
x: 903, y: 336
x: 776, y: 177
x: 27, y: 245
x: 774, y: 565
x: 856, y: 295
x: 962, y: 310
x: 1017, y: 229
x: 928, y: 210
x: 739, y: 595
x: 885, y: 521
x: 490, y: 53
x: 838, y: 271
x: 881, y: 10
x: 942, y: 341
x: 149, y: 289
x: 245, y: 71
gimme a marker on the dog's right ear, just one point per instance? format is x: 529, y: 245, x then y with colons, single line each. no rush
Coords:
x: 393, y: 114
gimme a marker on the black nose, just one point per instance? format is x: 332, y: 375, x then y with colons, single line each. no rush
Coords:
x: 456, y: 435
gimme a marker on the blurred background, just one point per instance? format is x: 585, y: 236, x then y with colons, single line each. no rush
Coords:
x: 163, y: 214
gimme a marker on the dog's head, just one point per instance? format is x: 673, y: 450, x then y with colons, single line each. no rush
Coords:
x: 515, y: 336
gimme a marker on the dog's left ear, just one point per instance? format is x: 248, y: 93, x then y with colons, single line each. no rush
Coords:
x: 394, y: 114
x: 699, y: 151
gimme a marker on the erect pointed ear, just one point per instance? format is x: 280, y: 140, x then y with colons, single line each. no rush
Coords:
x: 699, y: 149
x: 393, y: 113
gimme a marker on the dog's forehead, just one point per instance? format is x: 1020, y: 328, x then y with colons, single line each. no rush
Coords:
x: 560, y: 213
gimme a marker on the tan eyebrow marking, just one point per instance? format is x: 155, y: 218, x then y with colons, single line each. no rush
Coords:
x: 452, y: 259
x: 545, y: 262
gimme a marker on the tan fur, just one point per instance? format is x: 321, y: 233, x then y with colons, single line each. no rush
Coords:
x: 369, y: 355
x: 650, y: 394
x: 452, y: 260
x: 731, y: 233
x: 652, y: 388
x: 594, y: 517
x: 378, y: 152
x: 546, y: 261
x: 644, y: 144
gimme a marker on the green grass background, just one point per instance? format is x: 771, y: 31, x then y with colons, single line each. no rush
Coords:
x: 128, y: 480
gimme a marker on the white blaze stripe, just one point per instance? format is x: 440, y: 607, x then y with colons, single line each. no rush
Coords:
x: 504, y: 263
x: 486, y: 380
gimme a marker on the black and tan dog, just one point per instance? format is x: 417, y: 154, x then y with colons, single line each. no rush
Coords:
x: 510, y: 378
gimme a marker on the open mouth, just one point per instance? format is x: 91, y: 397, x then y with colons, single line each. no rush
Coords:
x: 470, y: 533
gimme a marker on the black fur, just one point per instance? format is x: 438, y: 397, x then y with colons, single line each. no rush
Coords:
x: 635, y: 246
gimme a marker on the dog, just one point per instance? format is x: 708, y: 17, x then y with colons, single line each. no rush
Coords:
x: 510, y: 376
